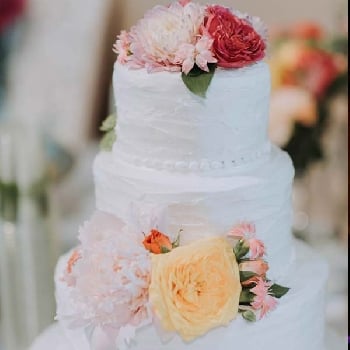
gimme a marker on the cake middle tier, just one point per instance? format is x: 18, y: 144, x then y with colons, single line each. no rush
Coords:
x: 258, y: 192
x: 162, y: 124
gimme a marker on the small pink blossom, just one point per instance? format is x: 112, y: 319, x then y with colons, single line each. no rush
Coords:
x: 198, y: 53
x: 256, y: 248
x: 243, y: 230
x: 246, y: 231
x: 263, y: 301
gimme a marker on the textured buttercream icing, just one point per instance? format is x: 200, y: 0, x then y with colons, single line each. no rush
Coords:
x: 162, y: 124
x: 259, y: 192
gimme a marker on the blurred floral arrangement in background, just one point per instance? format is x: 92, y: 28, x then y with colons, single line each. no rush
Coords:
x: 309, y: 69
x: 10, y: 12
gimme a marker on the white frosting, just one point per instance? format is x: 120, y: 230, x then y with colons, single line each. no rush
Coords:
x: 259, y: 192
x: 297, y: 322
x: 162, y: 124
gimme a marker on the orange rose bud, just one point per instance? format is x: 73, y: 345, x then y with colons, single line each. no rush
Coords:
x: 157, y: 242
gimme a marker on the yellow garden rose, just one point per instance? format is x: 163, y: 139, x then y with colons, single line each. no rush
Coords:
x: 196, y: 287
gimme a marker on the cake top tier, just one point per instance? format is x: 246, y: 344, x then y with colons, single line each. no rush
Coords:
x: 191, y: 89
x: 192, y: 38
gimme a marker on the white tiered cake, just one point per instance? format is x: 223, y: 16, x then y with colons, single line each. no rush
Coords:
x: 199, y: 166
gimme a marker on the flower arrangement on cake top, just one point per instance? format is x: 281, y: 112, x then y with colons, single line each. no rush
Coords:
x: 193, y: 39
x: 120, y: 280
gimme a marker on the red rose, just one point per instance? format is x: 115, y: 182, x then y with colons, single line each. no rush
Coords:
x: 236, y: 43
x: 9, y: 11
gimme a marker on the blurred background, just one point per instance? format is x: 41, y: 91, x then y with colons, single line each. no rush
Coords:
x: 56, y: 64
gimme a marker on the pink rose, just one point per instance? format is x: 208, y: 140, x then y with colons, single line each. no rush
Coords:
x: 236, y: 43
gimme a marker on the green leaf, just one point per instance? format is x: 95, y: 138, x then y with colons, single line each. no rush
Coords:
x: 249, y: 315
x: 109, y: 123
x: 278, y: 291
x: 164, y: 250
x: 246, y: 275
x: 176, y: 243
x: 240, y: 249
x: 198, y: 81
x: 107, y: 141
x: 246, y: 297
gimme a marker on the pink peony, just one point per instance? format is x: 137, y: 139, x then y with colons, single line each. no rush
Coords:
x: 157, y: 37
x: 236, y: 43
x: 263, y: 301
x: 198, y: 53
x: 259, y: 267
x: 112, y: 277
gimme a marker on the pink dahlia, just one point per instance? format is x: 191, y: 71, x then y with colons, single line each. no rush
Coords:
x: 112, y: 277
x: 236, y: 43
x: 156, y: 38
x: 263, y: 301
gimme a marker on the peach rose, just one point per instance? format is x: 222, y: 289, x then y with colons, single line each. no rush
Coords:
x: 157, y: 242
x: 259, y: 266
x: 195, y: 287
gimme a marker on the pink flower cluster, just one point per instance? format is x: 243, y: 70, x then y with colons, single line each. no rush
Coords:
x: 184, y: 34
x: 108, y: 278
x: 252, y: 250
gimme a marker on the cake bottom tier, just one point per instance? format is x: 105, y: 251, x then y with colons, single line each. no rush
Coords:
x: 296, y: 324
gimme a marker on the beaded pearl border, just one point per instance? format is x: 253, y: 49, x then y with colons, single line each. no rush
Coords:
x: 194, y: 165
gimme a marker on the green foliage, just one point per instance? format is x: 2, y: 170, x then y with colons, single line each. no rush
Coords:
x: 109, y: 136
x: 198, y: 81
x: 248, y: 315
x: 278, y: 291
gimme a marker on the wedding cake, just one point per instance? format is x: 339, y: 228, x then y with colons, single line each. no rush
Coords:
x: 190, y: 246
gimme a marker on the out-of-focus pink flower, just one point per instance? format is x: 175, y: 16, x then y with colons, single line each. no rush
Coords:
x: 112, y: 277
x: 198, y: 53
x: 157, y: 37
x: 306, y: 31
x: 263, y: 301
x: 236, y: 43
x: 316, y: 70
x: 259, y: 266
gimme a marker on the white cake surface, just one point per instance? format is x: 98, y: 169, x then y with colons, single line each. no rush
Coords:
x: 296, y: 324
x: 258, y: 192
x: 162, y: 124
